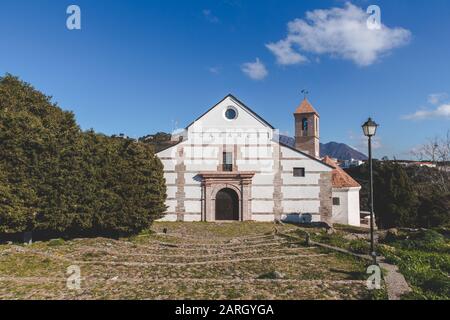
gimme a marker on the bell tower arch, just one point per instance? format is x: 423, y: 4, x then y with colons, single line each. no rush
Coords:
x: 307, y: 133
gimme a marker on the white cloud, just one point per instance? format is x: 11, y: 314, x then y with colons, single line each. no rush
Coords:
x: 440, y: 108
x: 214, y: 70
x: 255, y: 70
x: 209, y: 16
x: 285, y: 54
x: 442, y: 111
x: 338, y: 32
x: 436, y: 98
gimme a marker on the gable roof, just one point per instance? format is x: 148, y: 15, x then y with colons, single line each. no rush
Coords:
x: 340, y: 178
x: 303, y: 153
x: 305, y: 107
x: 238, y: 102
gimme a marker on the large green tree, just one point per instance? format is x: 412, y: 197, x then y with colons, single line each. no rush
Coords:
x: 395, y: 200
x: 434, y: 209
x: 56, y: 178
x: 406, y: 197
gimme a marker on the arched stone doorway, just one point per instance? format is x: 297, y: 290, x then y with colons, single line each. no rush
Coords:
x: 239, y: 182
x: 227, y: 205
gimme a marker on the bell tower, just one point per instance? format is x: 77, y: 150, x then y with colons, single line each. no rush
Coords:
x: 307, y: 129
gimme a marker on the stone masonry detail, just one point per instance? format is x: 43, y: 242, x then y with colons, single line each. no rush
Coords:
x: 325, y: 195
x: 277, y: 183
x: 180, y: 169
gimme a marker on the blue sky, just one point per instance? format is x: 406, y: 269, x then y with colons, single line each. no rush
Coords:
x: 138, y: 67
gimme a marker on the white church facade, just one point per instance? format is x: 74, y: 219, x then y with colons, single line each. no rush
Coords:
x: 230, y: 164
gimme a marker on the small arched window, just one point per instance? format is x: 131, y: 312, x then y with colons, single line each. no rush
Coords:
x: 305, y: 125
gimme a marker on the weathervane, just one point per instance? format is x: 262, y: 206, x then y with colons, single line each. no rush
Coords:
x: 305, y: 93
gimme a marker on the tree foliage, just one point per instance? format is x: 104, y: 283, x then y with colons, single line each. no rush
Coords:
x: 405, y: 197
x: 56, y: 178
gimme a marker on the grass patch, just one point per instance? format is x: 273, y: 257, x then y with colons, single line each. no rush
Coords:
x: 425, y: 240
x: 423, y: 258
x: 359, y: 246
x: 350, y: 229
x: 380, y: 294
x: 56, y: 242
x: 222, y: 230
x: 92, y: 255
x: 337, y: 240
x: 28, y: 265
x: 270, y: 275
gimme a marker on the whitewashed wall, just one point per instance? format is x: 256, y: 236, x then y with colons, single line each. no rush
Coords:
x: 300, y: 194
x: 354, y: 214
x: 213, y: 134
x: 348, y: 211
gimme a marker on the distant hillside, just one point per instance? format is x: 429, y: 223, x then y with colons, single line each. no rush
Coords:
x: 340, y: 151
x: 336, y: 150
x: 159, y: 141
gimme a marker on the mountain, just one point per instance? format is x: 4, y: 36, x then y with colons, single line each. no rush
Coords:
x: 340, y: 151
x: 336, y: 150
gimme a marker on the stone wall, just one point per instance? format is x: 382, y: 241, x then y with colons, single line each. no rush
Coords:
x: 326, y: 193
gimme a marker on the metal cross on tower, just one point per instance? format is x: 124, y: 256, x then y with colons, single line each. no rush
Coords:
x: 305, y: 93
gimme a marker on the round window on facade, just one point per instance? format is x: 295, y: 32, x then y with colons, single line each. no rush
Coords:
x: 231, y: 113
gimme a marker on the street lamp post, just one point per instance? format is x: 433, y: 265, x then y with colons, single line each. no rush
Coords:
x: 369, y: 129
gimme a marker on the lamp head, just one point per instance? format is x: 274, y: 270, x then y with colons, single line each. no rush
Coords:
x: 370, y: 128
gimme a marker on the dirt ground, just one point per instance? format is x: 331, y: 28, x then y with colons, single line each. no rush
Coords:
x: 191, y: 261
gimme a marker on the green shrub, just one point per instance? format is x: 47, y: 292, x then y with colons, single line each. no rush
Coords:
x: 332, y: 239
x: 406, y: 197
x: 438, y: 284
x: 427, y: 240
x: 427, y: 272
x: 56, y: 242
x: 56, y: 179
x: 359, y: 246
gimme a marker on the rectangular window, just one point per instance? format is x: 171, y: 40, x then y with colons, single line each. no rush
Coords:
x: 336, y: 201
x: 227, y: 161
x: 299, y: 172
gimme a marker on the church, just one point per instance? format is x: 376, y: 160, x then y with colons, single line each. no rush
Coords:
x: 232, y: 165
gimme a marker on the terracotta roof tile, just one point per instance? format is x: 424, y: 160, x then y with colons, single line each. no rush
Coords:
x: 306, y: 107
x: 340, y: 179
